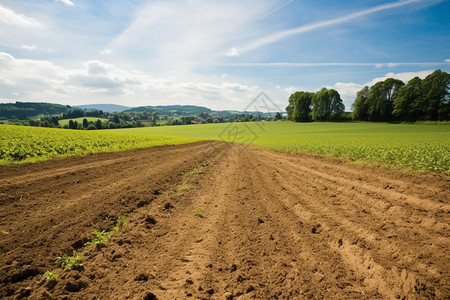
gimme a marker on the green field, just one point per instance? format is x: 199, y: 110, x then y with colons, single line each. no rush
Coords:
x: 424, y: 147
x: 31, y: 144
x: 80, y: 120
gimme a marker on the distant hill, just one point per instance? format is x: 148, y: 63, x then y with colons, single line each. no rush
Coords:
x: 104, y: 107
x: 25, y: 110
x: 172, y: 109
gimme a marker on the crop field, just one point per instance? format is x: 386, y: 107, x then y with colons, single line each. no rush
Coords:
x: 422, y: 147
x: 30, y: 144
x: 202, y: 218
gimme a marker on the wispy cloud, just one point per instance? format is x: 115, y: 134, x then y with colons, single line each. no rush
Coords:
x: 278, y: 8
x: 29, y: 47
x: 339, y: 64
x: 66, y: 2
x: 105, y: 52
x: 9, y: 17
x: 314, y: 26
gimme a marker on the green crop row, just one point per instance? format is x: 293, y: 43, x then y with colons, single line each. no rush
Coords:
x: 29, y: 144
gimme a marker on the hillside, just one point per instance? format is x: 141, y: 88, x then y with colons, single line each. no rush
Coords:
x: 172, y: 109
x: 104, y: 107
x: 25, y: 110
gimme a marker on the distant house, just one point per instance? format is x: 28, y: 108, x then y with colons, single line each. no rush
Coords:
x: 196, y: 121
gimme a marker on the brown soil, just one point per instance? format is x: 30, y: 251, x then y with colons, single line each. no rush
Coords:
x: 214, y: 220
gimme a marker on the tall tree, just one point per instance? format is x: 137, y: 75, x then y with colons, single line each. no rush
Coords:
x: 435, y: 88
x: 407, y: 102
x: 326, y: 103
x: 301, y: 102
x: 381, y: 99
x: 360, y: 105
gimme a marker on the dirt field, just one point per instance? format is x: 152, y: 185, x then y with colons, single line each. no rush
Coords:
x: 212, y: 220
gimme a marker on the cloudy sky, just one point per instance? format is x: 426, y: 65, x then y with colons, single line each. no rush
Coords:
x: 219, y: 54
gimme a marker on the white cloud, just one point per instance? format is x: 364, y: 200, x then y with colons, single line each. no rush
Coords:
x: 233, y: 52
x: 105, y: 52
x: 447, y: 60
x: 274, y: 37
x: 183, y: 35
x: 66, y: 2
x: 94, y: 81
x: 405, y: 77
x: 29, y: 47
x: 10, y: 18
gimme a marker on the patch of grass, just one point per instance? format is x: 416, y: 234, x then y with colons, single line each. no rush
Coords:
x: 74, y: 262
x: 194, y: 171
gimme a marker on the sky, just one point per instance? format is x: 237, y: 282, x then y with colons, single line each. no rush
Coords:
x: 218, y: 54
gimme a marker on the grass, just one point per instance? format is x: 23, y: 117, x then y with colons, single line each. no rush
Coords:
x: 420, y: 146
x: 80, y: 120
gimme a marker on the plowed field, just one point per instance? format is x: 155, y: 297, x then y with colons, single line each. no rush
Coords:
x: 214, y: 220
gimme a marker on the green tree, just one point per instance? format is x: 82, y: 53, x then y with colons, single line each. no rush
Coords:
x: 98, y: 124
x: 85, y: 123
x: 435, y: 104
x: 299, y: 108
x: 407, y: 102
x: 360, y: 105
x: 381, y: 99
x: 326, y: 104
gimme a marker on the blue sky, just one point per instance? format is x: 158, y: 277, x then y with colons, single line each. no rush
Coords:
x: 219, y: 54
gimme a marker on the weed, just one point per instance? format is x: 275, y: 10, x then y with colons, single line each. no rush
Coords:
x: 74, y: 262
x: 195, y: 171
x: 198, y: 213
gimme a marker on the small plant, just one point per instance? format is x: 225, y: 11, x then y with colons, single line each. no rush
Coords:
x: 185, y: 188
x: 121, y: 222
x: 198, y: 213
x: 50, y: 277
x: 100, y: 238
x: 73, y: 262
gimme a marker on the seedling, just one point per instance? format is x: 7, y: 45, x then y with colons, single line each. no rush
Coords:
x: 198, y: 213
x: 101, y: 239
x: 73, y: 262
x: 50, y: 276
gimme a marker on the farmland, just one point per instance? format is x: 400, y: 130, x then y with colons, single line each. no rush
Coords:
x: 185, y: 216
x: 31, y: 144
x: 214, y: 220
x: 423, y: 147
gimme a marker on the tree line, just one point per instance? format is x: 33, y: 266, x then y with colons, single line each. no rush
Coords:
x: 392, y: 100
x: 324, y: 105
x: 386, y: 101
